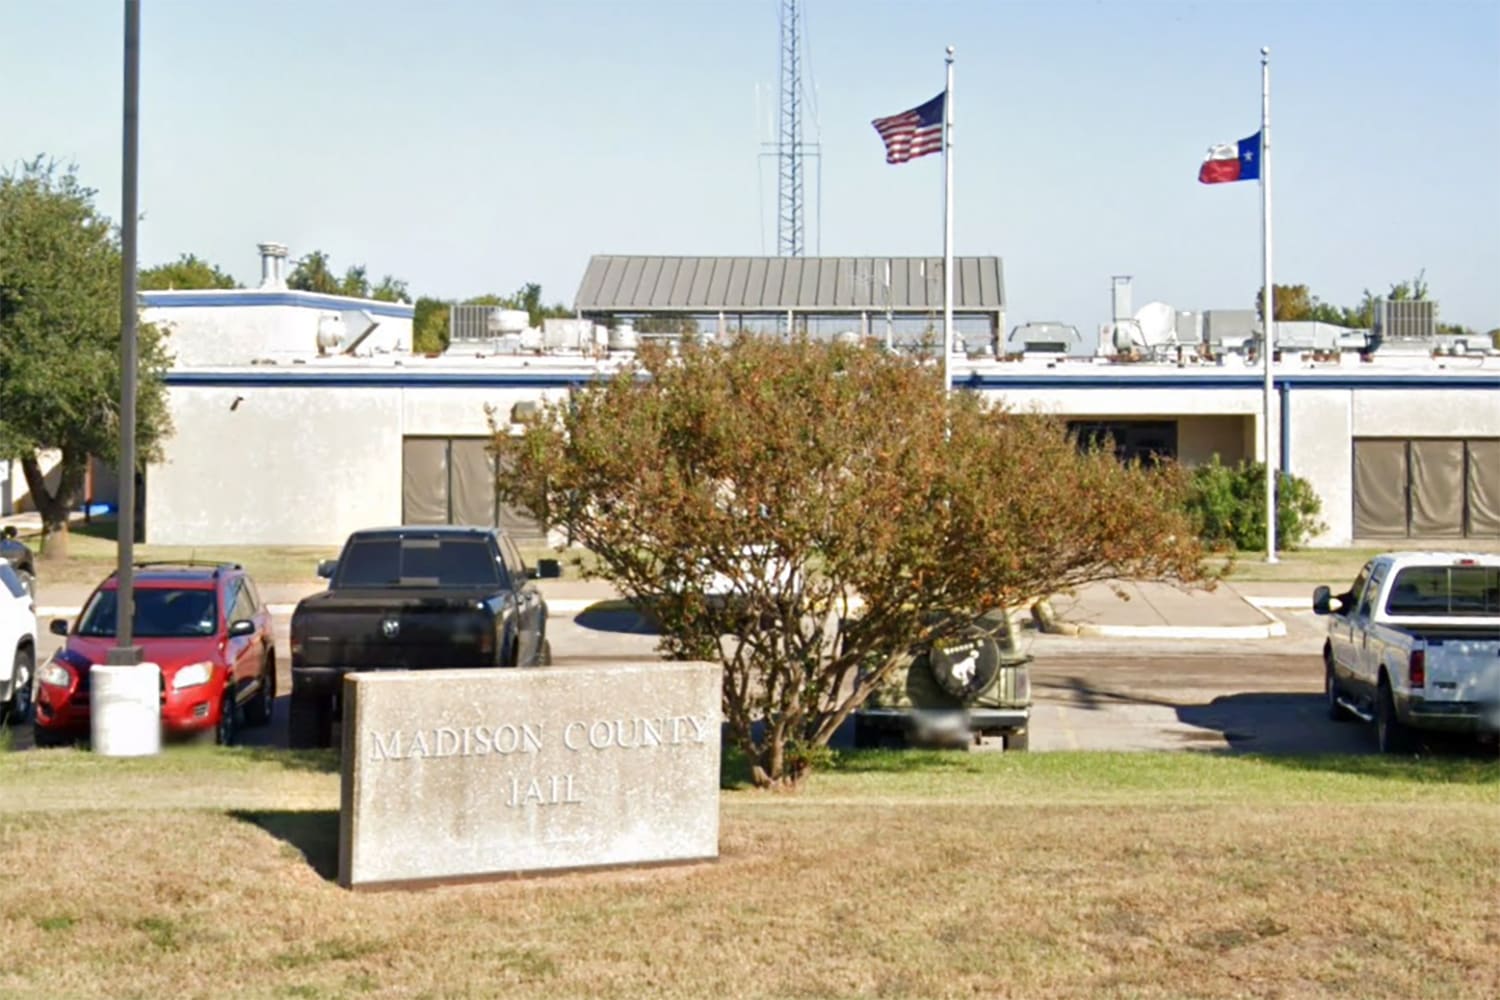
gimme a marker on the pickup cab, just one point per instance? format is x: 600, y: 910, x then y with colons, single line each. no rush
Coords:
x: 412, y: 598
x: 1414, y: 645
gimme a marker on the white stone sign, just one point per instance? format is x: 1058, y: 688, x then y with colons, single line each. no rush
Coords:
x: 455, y: 775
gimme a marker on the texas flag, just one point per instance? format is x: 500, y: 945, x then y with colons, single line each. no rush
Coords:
x: 1232, y: 161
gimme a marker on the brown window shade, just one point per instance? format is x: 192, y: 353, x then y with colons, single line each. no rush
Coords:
x: 1380, y: 479
x: 1437, y: 489
x: 424, y: 481
x: 472, y: 479
x: 1484, y: 488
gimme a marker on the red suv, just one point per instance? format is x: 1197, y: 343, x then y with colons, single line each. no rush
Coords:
x: 204, y: 625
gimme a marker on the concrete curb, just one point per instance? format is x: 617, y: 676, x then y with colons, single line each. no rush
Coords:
x: 1293, y: 603
x: 1274, y: 628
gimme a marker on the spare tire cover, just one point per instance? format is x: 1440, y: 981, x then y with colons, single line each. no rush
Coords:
x: 964, y: 665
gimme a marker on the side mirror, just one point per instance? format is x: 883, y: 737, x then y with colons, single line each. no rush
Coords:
x: 9, y: 532
x: 242, y: 627
x: 548, y: 569
x: 326, y: 568
x: 58, y: 626
x: 1321, y: 598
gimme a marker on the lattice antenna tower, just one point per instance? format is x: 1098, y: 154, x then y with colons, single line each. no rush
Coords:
x: 789, y: 146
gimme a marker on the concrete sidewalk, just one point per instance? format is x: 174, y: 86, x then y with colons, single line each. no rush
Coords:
x: 1148, y: 610
x: 1145, y: 610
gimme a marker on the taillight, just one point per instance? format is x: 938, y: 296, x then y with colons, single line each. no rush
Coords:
x: 1416, y: 668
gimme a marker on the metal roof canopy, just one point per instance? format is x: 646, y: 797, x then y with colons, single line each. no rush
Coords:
x: 774, y: 286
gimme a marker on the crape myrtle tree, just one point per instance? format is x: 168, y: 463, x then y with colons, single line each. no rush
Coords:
x: 60, y: 342
x: 846, y: 508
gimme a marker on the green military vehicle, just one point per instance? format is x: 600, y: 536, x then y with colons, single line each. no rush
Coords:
x: 954, y: 692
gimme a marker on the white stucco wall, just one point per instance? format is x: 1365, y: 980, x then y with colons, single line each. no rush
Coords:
x: 1322, y: 453
x: 307, y: 465
x: 1411, y: 413
x: 299, y: 466
x: 460, y: 412
x: 288, y: 466
x: 243, y: 326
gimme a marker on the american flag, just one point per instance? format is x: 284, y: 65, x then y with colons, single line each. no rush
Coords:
x: 912, y: 133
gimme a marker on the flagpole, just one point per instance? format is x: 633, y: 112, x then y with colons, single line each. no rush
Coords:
x: 1268, y: 303
x: 948, y: 227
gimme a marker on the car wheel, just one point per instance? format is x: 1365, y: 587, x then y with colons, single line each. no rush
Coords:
x: 1390, y: 735
x: 18, y: 712
x: 1332, y: 692
x: 227, y: 729
x: 311, y: 723
x: 1018, y: 739
x: 258, y: 712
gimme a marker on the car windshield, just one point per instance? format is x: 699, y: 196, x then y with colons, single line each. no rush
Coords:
x: 1445, y: 591
x: 446, y: 562
x: 159, y: 613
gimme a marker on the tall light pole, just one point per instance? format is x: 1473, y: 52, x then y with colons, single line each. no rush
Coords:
x: 125, y: 652
x: 124, y: 693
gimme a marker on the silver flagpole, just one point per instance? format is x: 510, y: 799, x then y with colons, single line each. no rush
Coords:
x: 1268, y: 344
x: 948, y: 227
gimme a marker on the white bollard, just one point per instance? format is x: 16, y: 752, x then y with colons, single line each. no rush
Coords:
x: 125, y: 709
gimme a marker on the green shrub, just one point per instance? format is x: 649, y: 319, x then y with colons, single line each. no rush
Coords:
x: 1229, y: 506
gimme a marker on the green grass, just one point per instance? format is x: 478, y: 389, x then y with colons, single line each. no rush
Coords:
x: 1341, y: 565
x: 93, y: 554
x: 207, y: 872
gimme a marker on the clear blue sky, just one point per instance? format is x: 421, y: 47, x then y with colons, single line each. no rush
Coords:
x: 470, y: 147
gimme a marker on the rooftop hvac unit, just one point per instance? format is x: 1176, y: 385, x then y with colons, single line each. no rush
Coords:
x: 500, y: 322
x: 1405, y: 319
x: 330, y: 332
x: 622, y: 337
x: 484, y: 323
x: 1153, y: 326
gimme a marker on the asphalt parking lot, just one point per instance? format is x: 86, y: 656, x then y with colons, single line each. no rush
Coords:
x: 1090, y: 692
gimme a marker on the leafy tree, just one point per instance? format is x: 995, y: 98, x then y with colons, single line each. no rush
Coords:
x: 60, y: 380
x: 1229, y: 506
x: 186, y: 272
x: 355, y: 283
x: 390, y: 289
x: 429, y: 325
x: 806, y: 475
x: 1293, y: 302
x: 312, y: 274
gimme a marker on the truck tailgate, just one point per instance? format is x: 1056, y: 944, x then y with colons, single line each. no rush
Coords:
x: 385, y: 630
x: 1463, y: 670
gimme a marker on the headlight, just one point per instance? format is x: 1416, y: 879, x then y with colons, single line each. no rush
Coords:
x: 192, y: 675
x: 54, y: 674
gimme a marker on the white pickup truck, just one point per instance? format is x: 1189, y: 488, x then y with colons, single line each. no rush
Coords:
x: 1414, y: 644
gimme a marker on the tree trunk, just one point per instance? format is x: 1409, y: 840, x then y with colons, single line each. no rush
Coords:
x: 54, y: 506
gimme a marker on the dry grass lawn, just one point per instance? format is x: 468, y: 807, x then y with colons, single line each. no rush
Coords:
x: 206, y: 873
x: 92, y: 555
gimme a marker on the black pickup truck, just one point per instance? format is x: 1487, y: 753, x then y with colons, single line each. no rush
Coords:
x: 412, y: 598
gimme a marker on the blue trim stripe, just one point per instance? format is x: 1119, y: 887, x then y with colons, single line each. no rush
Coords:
x: 288, y: 377
x: 1000, y: 383
x: 309, y: 300
x: 381, y: 380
